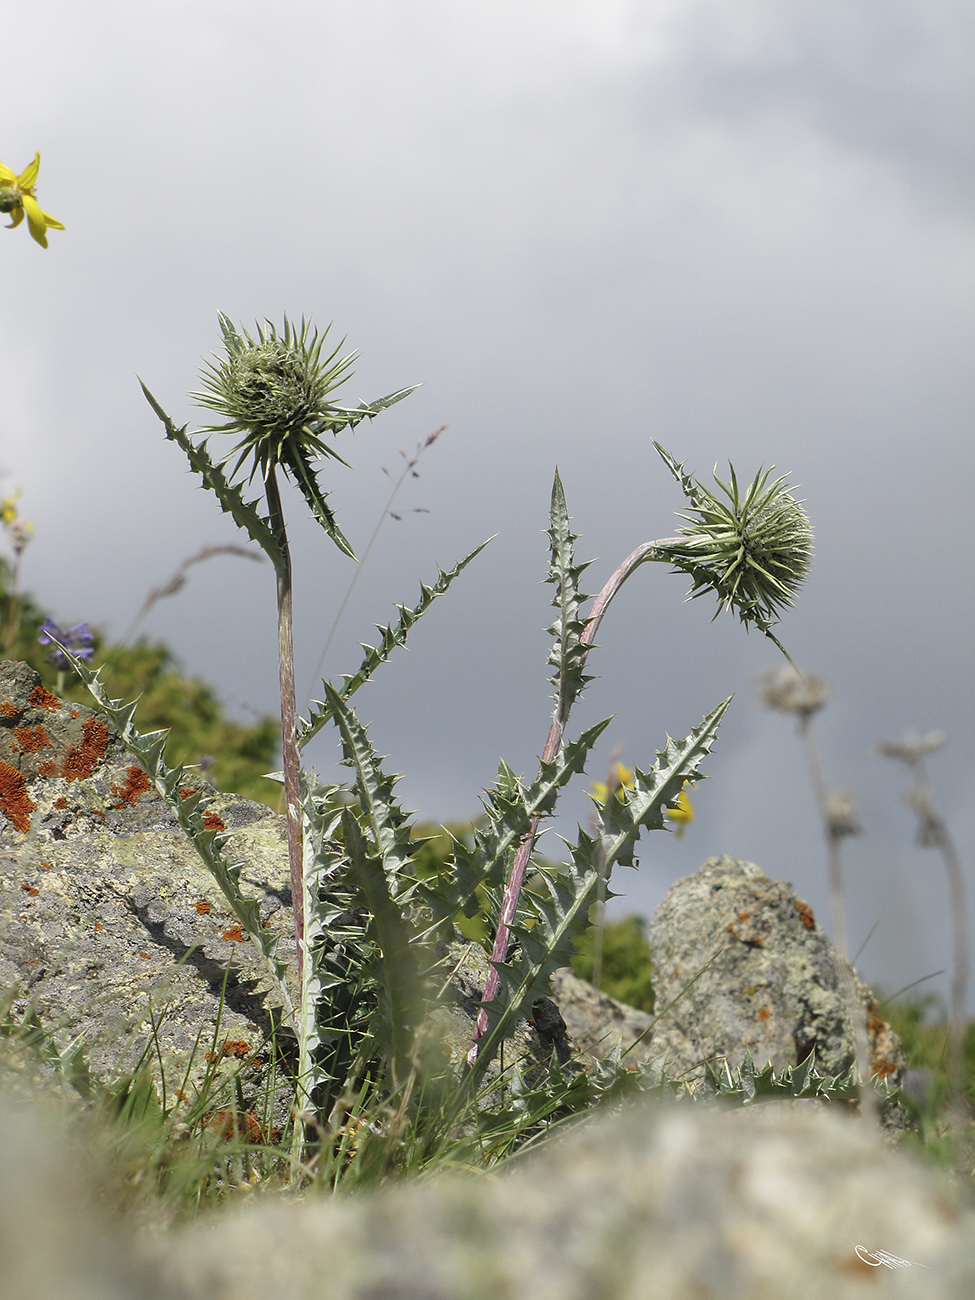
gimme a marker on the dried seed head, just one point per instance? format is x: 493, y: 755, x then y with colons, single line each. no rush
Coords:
x: 911, y: 748
x: 787, y: 690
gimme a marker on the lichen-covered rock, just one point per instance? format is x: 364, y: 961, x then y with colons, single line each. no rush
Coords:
x: 596, y: 1023
x: 111, y: 929
x: 774, y: 986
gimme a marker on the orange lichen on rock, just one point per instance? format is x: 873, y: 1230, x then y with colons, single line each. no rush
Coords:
x: 805, y: 913
x: 74, y: 713
x: 81, y: 760
x: 228, y: 1124
x: 8, y: 710
x: 43, y: 699
x: 234, y: 935
x: 60, y: 802
x: 30, y: 889
x: 15, y: 803
x: 203, y: 907
x: 235, y: 1047
x: 211, y: 822
x: 30, y: 739
x: 136, y: 782
x: 185, y: 791
x: 47, y: 768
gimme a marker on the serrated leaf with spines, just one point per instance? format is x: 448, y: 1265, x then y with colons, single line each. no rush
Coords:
x: 298, y: 465
x: 568, y: 654
x: 510, y: 809
x: 335, y: 946
x: 621, y: 820
x: 244, y: 513
x: 558, y: 919
x: 391, y: 636
x: 380, y: 812
x: 190, y: 813
x: 401, y: 988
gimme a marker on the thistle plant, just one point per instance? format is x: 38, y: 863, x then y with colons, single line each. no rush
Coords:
x: 371, y: 927
x: 275, y: 391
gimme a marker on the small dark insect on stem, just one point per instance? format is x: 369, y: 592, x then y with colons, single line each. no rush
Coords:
x: 289, y: 741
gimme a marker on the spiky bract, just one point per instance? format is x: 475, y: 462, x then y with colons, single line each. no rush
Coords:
x: 752, y: 548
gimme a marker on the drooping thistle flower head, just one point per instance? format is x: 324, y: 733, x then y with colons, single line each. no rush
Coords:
x: 752, y: 548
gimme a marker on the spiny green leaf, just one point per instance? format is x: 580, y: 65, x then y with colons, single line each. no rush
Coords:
x: 401, y: 988
x: 387, y: 823
x: 191, y: 815
x: 568, y: 654
x: 296, y: 462
x: 390, y: 637
x: 622, y: 819
x: 230, y: 496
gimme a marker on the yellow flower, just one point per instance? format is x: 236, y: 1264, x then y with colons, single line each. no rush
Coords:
x: 8, y: 509
x: 682, y: 812
x: 620, y: 776
x: 17, y: 198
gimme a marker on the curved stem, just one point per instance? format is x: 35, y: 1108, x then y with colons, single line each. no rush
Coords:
x: 520, y: 865
x: 289, y: 732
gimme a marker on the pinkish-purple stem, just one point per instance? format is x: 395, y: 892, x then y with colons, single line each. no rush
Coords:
x: 520, y: 865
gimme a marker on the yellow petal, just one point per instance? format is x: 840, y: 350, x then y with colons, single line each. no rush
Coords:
x: 51, y: 223
x: 28, y: 176
x: 35, y: 219
x: 7, y: 175
x: 16, y: 217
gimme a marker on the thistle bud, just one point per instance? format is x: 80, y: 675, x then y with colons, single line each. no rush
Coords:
x: 751, y: 548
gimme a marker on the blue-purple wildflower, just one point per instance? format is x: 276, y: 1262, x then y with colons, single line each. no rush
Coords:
x: 80, y: 640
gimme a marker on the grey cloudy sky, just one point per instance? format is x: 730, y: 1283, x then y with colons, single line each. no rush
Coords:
x: 744, y: 230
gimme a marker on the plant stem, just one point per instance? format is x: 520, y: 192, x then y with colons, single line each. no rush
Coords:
x: 837, y: 900
x: 869, y: 1101
x: 519, y: 867
x: 934, y: 830
x: 289, y: 731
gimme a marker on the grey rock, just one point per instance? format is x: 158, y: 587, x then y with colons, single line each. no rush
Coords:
x: 773, y: 986
x: 681, y: 1201
x: 111, y: 929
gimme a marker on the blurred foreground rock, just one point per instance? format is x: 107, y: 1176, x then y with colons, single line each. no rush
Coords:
x: 778, y: 1201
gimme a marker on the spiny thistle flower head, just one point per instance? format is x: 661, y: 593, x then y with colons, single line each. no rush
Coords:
x: 274, y: 391
x: 17, y: 198
x: 752, y: 548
